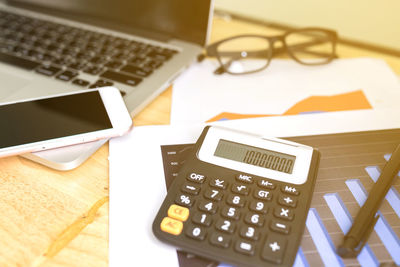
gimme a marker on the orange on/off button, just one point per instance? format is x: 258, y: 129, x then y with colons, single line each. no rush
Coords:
x: 178, y: 212
x: 171, y: 226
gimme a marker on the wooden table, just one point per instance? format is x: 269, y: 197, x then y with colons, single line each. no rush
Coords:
x: 53, y: 218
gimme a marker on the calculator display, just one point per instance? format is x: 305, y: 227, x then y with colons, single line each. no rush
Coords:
x: 255, y: 156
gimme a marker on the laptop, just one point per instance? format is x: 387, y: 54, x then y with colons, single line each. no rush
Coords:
x: 54, y: 46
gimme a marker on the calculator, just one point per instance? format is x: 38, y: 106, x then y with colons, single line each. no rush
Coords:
x: 240, y: 199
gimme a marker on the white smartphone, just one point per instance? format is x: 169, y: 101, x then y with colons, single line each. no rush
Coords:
x: 62, y: 120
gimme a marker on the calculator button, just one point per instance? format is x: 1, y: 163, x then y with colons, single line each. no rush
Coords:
x: 171, y: 226
x: 284, y: 213
x: 279, y: 227
x: 274, y: 248
x: 195, y: 232
x: 225, y: 226
x: 208, y: 206
x: 218, y: 183
x: 220, y: 240
x: 244, y: 178
x: 230, y: 212
x: 240, y: 189
x: 262, y: 194
x: 193, y: 189
x: 195, y: 177
x: 254, y: 219
x: 249, y: 232
x: 287, y: 201
x: 178, y: 212
x: 184, y: 200
x: 235, y: 200
x: 244, y: 247
x: 202, y: 218
x: 213, y: 194
x: 290, y: 190
x: 258, y: 206
x: 265, y: 184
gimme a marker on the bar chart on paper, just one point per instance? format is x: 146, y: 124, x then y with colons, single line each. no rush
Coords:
x: 341, y: 102
x: 350, y: 164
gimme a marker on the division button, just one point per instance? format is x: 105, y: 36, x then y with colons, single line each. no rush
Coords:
x: 274, y: 248
x: 171, y: 226
x: 178, y: 212
x: 191, y: 188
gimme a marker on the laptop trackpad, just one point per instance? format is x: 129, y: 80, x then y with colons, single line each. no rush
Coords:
x: 10, y: 83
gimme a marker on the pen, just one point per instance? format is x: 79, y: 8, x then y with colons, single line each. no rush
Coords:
x: 366, y: 218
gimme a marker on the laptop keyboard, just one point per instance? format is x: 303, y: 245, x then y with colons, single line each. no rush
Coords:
x: 63, y: 52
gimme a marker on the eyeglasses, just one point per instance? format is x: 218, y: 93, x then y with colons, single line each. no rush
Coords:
x: 307, y: 46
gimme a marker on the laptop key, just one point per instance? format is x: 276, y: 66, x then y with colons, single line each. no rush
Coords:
x: 47, y: 70
x: 142, y: 72
x: 18, y: 62
x: 67, y: 75
x: 80, y: 82
x: 121, y: 78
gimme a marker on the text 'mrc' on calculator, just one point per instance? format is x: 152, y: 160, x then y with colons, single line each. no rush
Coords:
x: 240, y: 199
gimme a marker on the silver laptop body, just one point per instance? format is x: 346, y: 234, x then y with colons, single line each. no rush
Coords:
x: 167, y: 33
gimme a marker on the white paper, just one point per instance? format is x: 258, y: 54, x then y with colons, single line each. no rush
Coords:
x: 199, y: 95
x: 137, y: 181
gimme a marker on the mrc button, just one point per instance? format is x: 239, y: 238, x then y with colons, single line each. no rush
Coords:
x: 244, y: 178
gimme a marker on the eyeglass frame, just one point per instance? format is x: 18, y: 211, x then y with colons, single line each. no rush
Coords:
x: 211, y: 50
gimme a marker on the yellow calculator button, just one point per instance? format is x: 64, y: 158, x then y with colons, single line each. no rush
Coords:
x: 178, y: 212
x: 171, y: 226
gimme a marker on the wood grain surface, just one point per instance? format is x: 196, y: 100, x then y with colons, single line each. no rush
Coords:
x: 52, y: 218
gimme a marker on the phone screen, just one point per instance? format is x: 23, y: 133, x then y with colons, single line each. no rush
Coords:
x: 44, y: 119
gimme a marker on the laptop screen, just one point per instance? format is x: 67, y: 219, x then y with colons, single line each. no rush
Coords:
x: 182, y: 19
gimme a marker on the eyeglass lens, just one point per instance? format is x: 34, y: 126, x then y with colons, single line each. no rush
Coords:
x: 234, y: 54
x: 246, y: 54
x: 310, y: 46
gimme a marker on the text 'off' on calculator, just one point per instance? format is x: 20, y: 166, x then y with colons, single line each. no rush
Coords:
x: 240, y: 199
